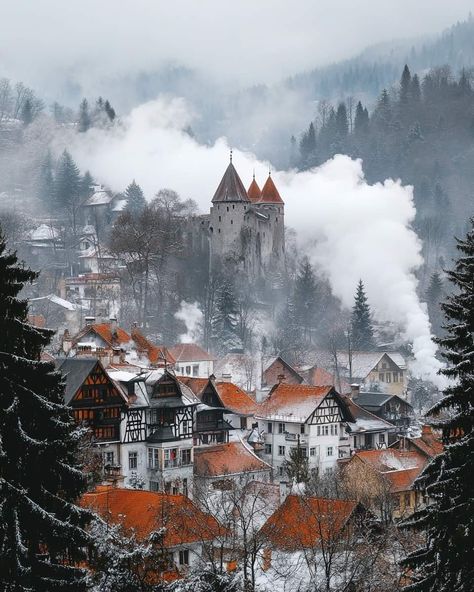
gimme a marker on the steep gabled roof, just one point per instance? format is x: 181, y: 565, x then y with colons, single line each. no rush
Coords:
x: 288, y: 366
x: 144, y: 512
x: 401, y: 479
x: 227, y: 459
x: 365, y: 421
x: 305, y: 522
x: 190, y: 352
x: 296, y: 402
x: 235, y: 399
x: 270, y: 192
x: 390, y: 459
x: 254, y: 192
x: 231, y: 187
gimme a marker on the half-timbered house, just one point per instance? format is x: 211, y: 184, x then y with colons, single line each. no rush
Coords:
x: 97, y: 401
x: 308, y: 416
x: 157, y: 433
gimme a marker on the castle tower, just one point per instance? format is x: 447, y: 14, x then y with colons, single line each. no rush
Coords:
x: 254, y: 192
x: 229, y: 207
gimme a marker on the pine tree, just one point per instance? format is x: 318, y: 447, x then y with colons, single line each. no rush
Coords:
x: 433, y: 299
x: 27, y: 112
x: 342, y: 125
x: 361, y: 120
x: 41, y: 530
x: 224, y: 325
x: 415, y: 90
x: 362, y: 333
x: 109, y: 110
x: 87, y: 182
x: 305, y: 299
x: 84, y: 122
x: 296, y: 467
x: 68, y: 181
x: 46, y: 188
x: 136, y: 201
x: 308, y: 144
x: 444, y: 561
x: 405, y: 85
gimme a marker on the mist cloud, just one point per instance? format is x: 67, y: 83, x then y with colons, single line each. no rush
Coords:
x: 351, y: 229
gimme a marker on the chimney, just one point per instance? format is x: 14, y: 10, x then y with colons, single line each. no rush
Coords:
x: 113, y: 326
x: 355, y: 391
x: 66, y: 341
x: 281, y: 378
x: 226, y: 377
x: 89, y: 321
x: 284, y: 491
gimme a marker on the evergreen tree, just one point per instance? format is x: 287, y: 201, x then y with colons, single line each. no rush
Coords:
x: 225, y: 320
x: 109, y: 110
x: 415, y: 89
x: 41, y: 530
x: 433, y: 298
x: 27, y: 112
x: 136, y: 201
x: 84, y: 122
x: 444, y: 561
x: 405, y: 85
x: 46, y: 189
x: 87, y: 182
x: 308, y: 143
x: 342, y: 125
x: 68, y: 188
x: 361, y: 120
x: 305, y: 299
x: 361, y: 324
x: 296, y: 467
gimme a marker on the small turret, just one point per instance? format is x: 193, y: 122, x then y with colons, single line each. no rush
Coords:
x: 270, y: 192
x: 254, y: 192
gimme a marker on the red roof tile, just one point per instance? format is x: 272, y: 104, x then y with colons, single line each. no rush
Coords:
x: 157, y: 354
x: 190, y: 352
x: 391, y: 458
x: 303, y: 522
x: 402, y: 479
x: 235, y: 399
x: 226, y: 459
x: 429, y: 443
x: 298, y: 400
x: 146, y: 511
x: 197, y: 385
x: 254, y: 192
x: 270, y: 192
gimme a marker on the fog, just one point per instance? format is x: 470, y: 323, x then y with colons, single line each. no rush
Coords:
x: 350, y: 229
x: 52, y: 44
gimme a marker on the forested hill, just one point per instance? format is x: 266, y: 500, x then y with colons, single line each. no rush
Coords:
x: 377, y: 67
x: 422, y: 132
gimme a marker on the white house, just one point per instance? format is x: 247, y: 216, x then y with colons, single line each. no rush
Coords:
x: 192, y: 360
x: 312, y: 416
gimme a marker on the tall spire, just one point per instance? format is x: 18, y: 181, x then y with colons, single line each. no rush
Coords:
x: 231, y: 187
x: 254, y: 191
x: 270, y: 192
x: 231, y: 156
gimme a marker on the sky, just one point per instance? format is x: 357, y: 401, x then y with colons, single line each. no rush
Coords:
x: 239, y: 43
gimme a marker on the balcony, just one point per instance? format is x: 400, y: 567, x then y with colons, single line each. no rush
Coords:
x: 294, y: 438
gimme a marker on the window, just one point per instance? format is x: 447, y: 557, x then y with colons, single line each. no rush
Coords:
x: 268, y: 448
x: 188, y: 369
x: 195, y: 369
x: 231, y: 221
x: 326, y: 430
x: 319, y: 430
x: 407, y: 500
x: 330, y: 451
x: 304, y: 451
x: 185, y: 487
x: 302, y: 428
x: 184, y: 557
x: 269, y: 428
x: 154, y: 486
x: 108, y: 458
x: 382, y: 438
x: 312, y: 451
x: 132, y: 460
x: 153, y: 458
x: 220, y: 219
x: 382, y: 377
x: 395, y: 377
x: 281, y: 451
x: 389, y: 377
x: 175, y: 490
x: 281, y: 428
x: 281, y: 471
x: 170, y: 457
x: 186, y: 456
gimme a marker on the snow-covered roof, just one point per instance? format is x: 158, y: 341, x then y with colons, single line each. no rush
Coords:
x: 98, y: 198
x: 119, y: 205
x: 59, y: 301
x: 44, y: 232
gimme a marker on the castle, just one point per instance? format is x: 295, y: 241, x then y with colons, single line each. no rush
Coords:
x: 247, y: 227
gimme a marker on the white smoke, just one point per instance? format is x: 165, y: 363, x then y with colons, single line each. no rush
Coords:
x: 191, y: 315
x: 351, y: 229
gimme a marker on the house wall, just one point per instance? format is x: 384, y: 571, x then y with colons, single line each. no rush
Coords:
x: 271, y: 374
x: 389, y: 375
x: 202, y: 369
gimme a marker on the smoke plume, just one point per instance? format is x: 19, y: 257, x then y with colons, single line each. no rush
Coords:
x: 351, y: 229
x: 191, y: 315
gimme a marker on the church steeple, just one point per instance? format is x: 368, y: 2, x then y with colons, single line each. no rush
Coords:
x: 270, y: 192
x: 231, y: 187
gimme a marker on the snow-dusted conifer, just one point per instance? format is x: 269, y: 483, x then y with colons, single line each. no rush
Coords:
x: 41, y: 528
x: 136, y: 201
x: 444, y: 562
x: 361, y: 323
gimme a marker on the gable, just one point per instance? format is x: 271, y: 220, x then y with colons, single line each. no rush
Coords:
x: 97, y: 389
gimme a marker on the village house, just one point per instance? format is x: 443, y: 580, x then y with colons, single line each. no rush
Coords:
x: 391, y: 408
x: 429, y: 443
x: 57, y: 312
x: 102, y: 207
x: 277, y: 370
x: 311, y: 417
x: 98, y: 293
x: 188, y: 532
x: 383, y: 481
x: 192, y: 360
x: 115, y: 346
x: 310, y: 539
x: 157, y: 433
x: 97, y: 402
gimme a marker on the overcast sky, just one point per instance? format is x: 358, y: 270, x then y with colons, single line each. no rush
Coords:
x: 243, y: 41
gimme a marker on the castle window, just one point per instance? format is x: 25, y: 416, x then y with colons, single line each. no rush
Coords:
x: 231, y: 221
x: 227, y: 208
x: 233, y: 206
x: 276, y: 219
x: 219, y: 231
x: 220, y: 219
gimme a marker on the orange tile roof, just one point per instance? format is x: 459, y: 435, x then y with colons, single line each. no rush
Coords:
x: 235, y: 399
x: 429, y: 443
x: 197, y: 385
x: 299, y: 400
x: 304, y: 522
x: 146, y: 511
x: 104, y: 330
x: 156, y: 353
x: 402, y: 479
x: 389, y: 458
x: 226, y: 459
x: 190, y: 352
x: 270, y: 192
x: 254, y: 192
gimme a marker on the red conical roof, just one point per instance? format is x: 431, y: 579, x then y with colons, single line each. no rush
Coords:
x: 254, y: 191
x: 231, y: 187
x: 270, y: 192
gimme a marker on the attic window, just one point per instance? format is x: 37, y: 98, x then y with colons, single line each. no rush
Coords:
x: 233, y: 206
